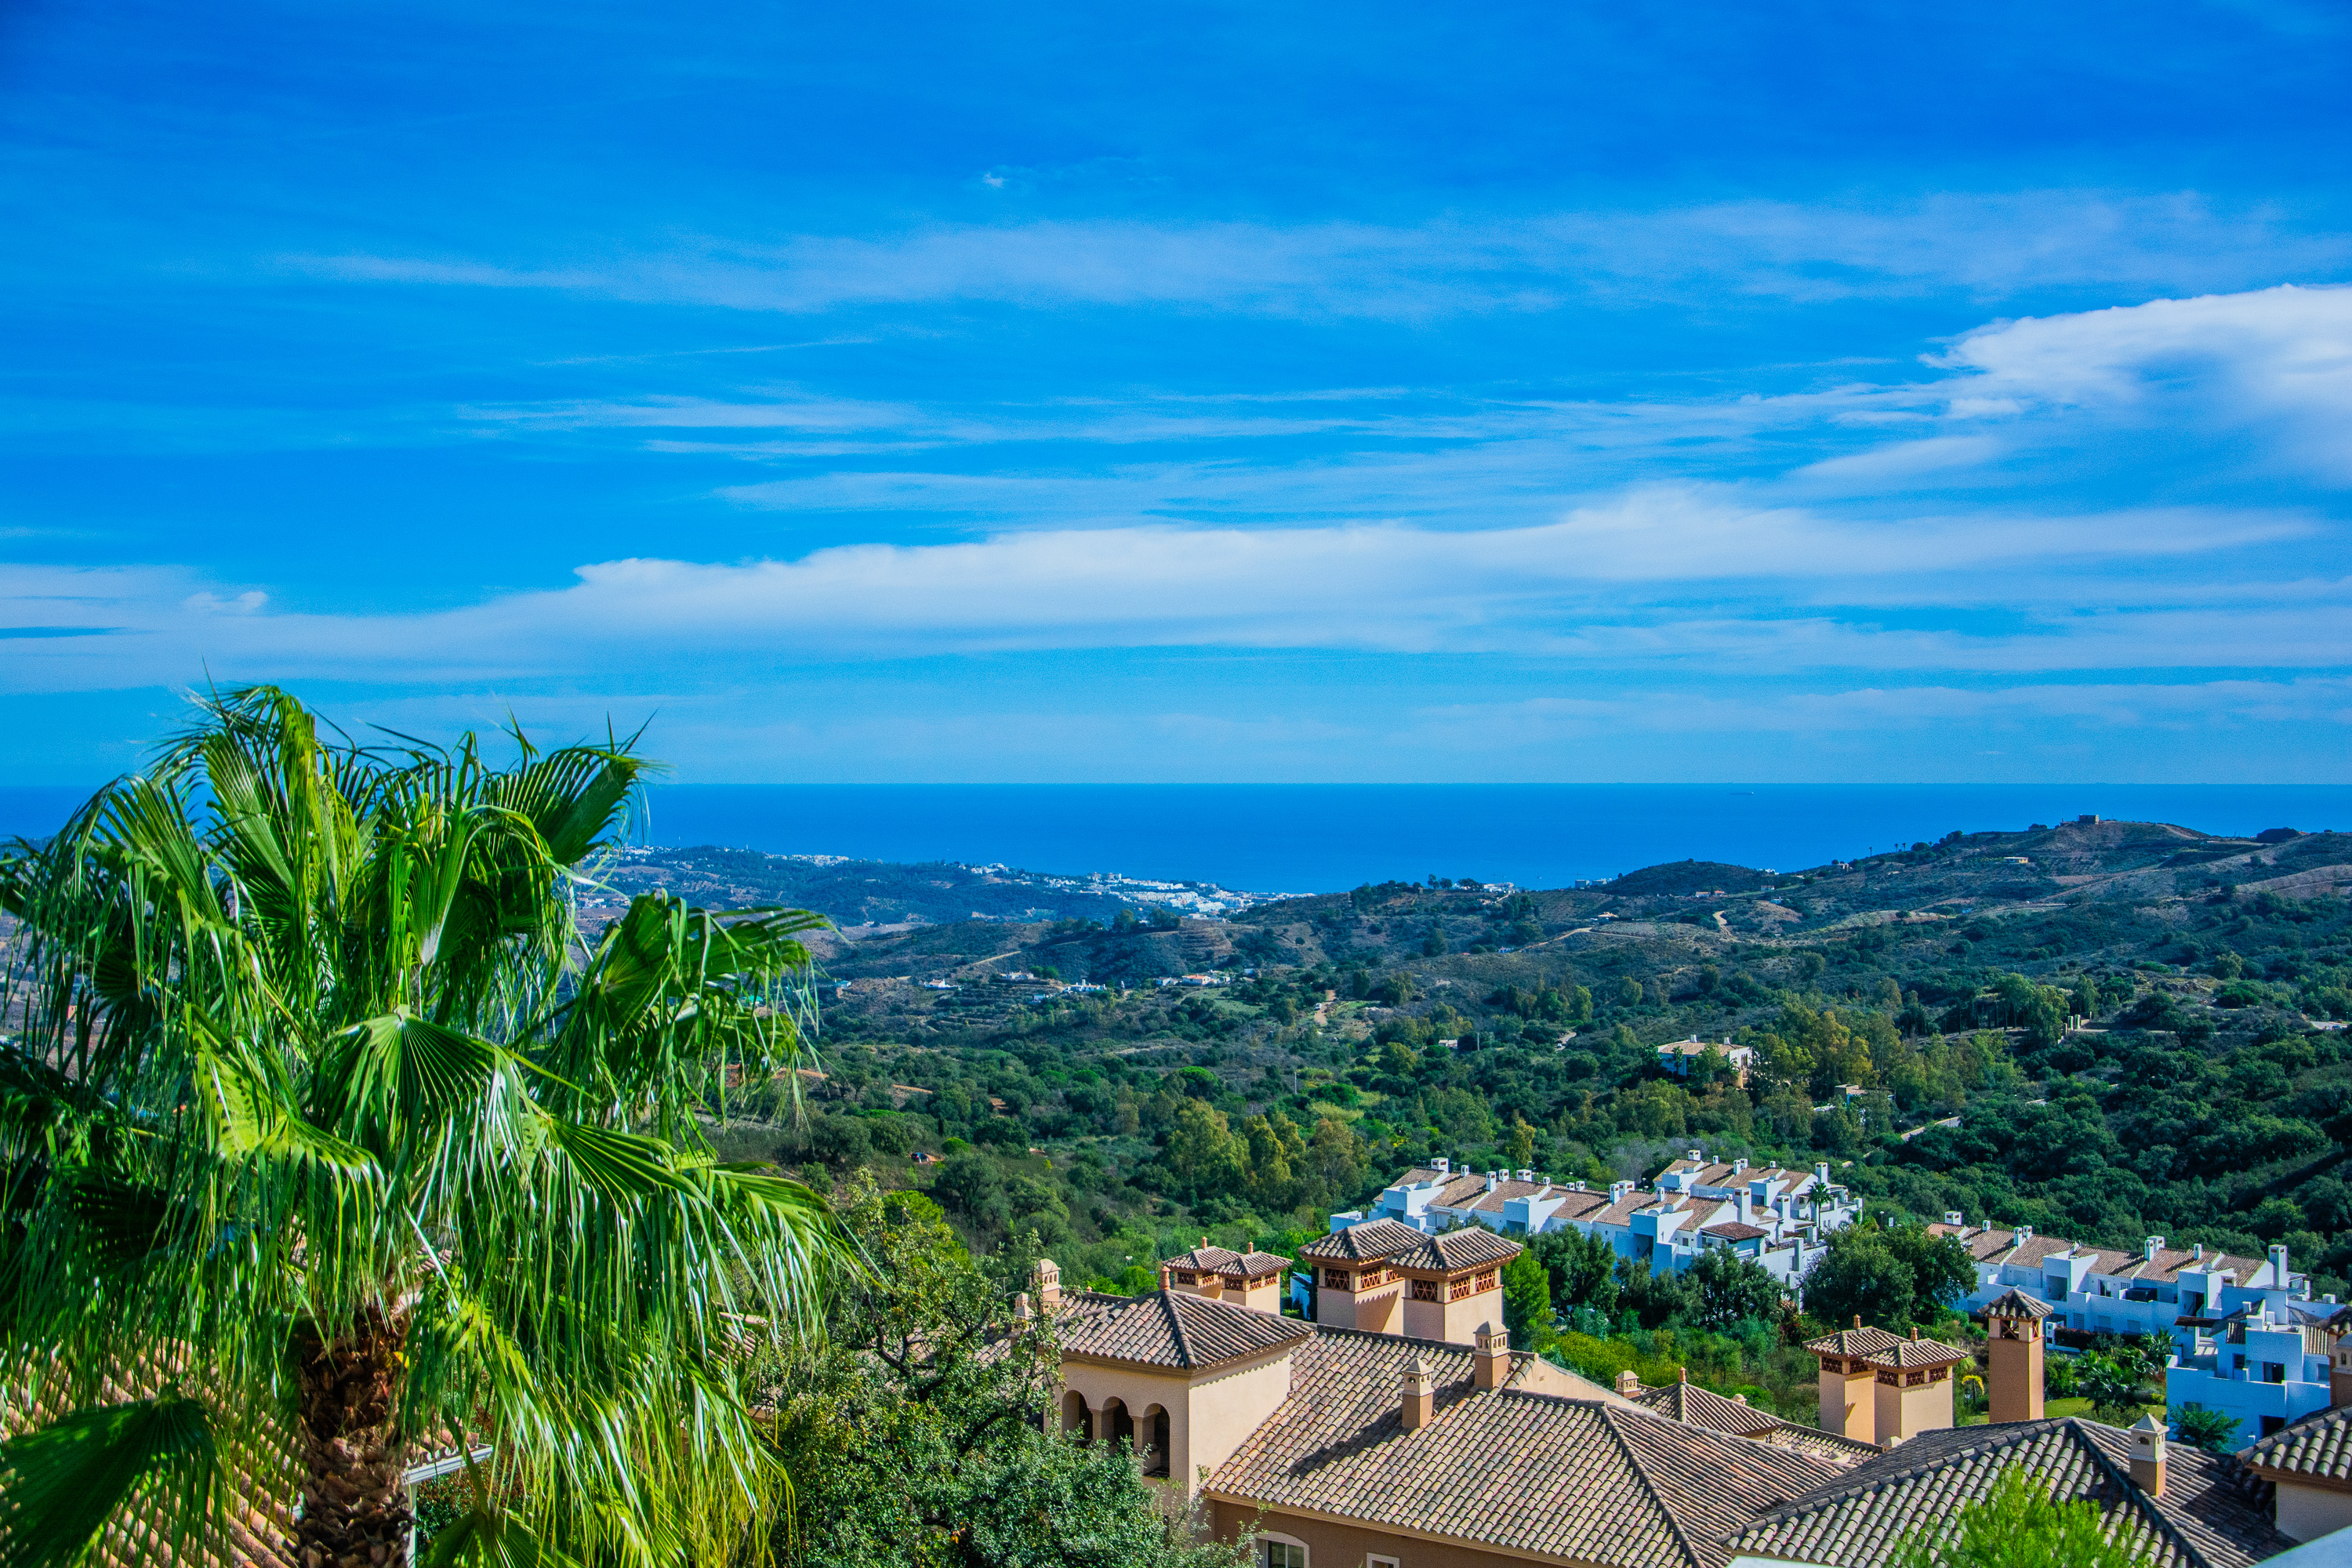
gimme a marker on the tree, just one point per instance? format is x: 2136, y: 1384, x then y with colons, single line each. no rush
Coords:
x: 1892, y: 1277
x: 1582, y: 1269
x: 911, y: 1427
x: 1859, y: 1275
x: 970, y: 1184
x: 1204, y: 1154
x: 1730, y: 1290
x: 2214, y: 1431
x: 319, y: 1095
x: 1526, y: 1301
x: 2020, y: 1525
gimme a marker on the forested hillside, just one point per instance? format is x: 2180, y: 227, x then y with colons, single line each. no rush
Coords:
x: 2103, y: 1030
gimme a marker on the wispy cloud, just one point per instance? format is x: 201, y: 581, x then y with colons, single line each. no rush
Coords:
x: 1980, y: 243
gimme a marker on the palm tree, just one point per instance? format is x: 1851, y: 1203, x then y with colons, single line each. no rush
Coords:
x: 324, y: 1134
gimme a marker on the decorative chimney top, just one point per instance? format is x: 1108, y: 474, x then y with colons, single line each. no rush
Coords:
x: 2154, y: 1244
x: 1418, y: 1398
x: 1629, y: 1382
x: 2147, y: 1456
x: 1955, y: 1217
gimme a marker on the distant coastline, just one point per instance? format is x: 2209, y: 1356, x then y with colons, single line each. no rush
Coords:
x: 1277, y: 838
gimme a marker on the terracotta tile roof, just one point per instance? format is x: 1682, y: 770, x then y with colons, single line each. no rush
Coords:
x: 1579, y: 1205
x: 2015, y: 1303
x: 1224, y: 1260
x: 2318, y: 1447
x: 1492, y: 1202
x: 1687, y: 1401
x: 1170, y: 1329
x: 2205, y: 1517
x: 1856, y: 1340
x: 1919, y: 1352
x: 1504, y: 1468
x: 1369, y: 1242
x: 1458, y: 1249
x: 1732, y: 1230
x: 1622, y: 1214
x: 1704, y: 1407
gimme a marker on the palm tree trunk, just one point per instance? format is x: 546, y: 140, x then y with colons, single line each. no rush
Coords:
x: 355, y: 1506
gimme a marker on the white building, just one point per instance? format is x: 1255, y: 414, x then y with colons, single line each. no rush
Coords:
x: 2247, y: 1338
x: 1778, y: 1219
x: 1676, y: 1056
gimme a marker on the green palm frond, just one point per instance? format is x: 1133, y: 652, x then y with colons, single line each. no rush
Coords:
x: 61, y: 1483
x: 311, y: 1046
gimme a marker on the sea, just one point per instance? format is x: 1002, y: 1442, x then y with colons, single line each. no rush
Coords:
x: 1302, y: 838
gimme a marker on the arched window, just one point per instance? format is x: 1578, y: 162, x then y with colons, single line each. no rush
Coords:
x: 1118, y: 1426
x: 1281, y: 1551
x: 1075, y: 1416
x: 1154, y: 1427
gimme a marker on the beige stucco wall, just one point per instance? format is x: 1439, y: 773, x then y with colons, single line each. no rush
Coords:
x: 1539, y: 1376
x: 1848, y: 1408
x: 1376, y: 1310
x: 1224, y: 1408
x: 1901, y: 1412
x: 1334, y: 1545
x: 1139, y: 1390
x: 1265, y: 1296
x: 2306, y: 1513
x: 1455, y: 1322
x: 1208, y: 1417
x: 2013, y: 1380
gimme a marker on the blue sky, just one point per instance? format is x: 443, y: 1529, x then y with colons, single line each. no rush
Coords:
x: 1235, y: 392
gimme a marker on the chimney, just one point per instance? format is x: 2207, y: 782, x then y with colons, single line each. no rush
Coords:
x: 2197, y: 1251
x: 2154, y: 1244
x: 1746, y: 1209
x: 1491, y: 1362
x: 1490, y: 1180
x: 1915, y: 1333
x: 1527, y: 1175
x: 1858, y: 1320
x: 2147, y: 1456
x: 2278, y: 1265
x: 1418, y: 1394
x: 1617, y: 1191
x: 1694, y: 1156
x: 1049, y: 1285
x: 1629, y: 1382
x: 1821, y: 1172
x: 1740, y: 1167
x: 2013, y: 1366
x: 1022, y: 1307
x: 2018, y: 1235
x: 1440, y: 1164
x: 1956, y: 1220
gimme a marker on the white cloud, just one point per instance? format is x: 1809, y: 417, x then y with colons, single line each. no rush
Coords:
x: 2277, y: 356
x: 1980, y: 243
x: 1688, y: 574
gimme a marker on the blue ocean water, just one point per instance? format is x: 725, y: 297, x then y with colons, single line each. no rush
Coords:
x: 1320, y: 838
